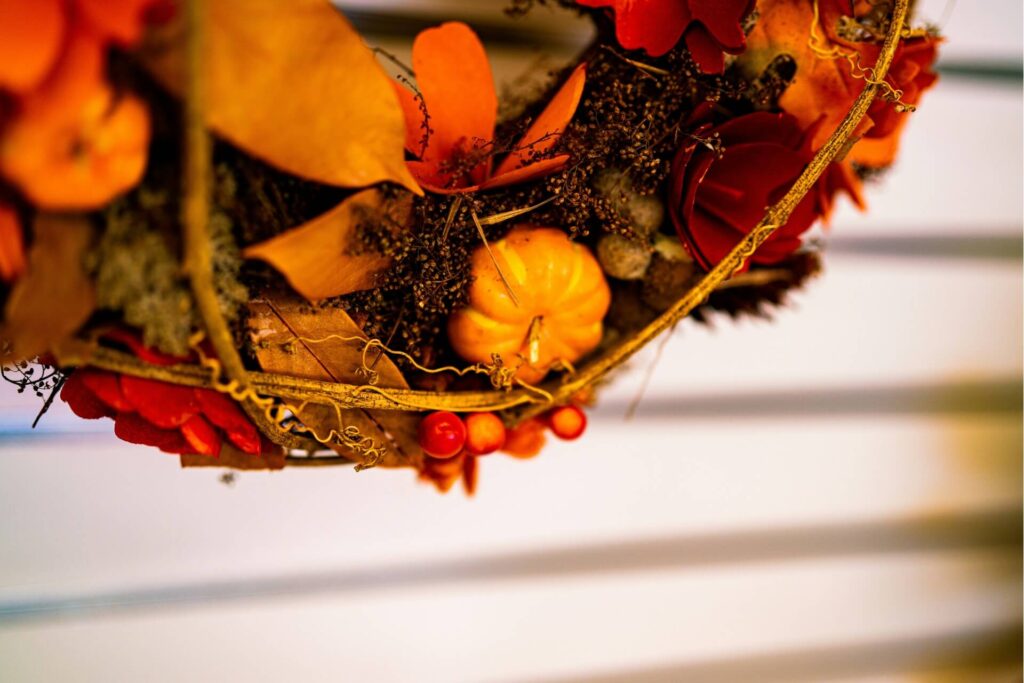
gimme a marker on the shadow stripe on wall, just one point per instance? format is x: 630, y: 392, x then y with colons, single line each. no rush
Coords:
x: 994, y: 530
x: 961, y: 656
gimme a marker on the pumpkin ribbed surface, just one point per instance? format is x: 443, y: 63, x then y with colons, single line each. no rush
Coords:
x: 560, y: 300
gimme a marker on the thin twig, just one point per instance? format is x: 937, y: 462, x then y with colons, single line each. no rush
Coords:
x: 49, y: 399
x: 483, y: 238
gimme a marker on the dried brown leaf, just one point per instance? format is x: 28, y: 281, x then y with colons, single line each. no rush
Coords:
x: 236, y: 459
x: 293, y: 339
x: 322, y: 258
x: 55, y: 296
x: 294, y: 84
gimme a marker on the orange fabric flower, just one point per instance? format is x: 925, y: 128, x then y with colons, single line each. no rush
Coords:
x: 33, y: 32
x: 72, y: 144
x: 824, y: 88
x: 454, y: 148
x: 31, y: 35
x: 910, y: 73
x: 12, y: 247
x: 709, y: 27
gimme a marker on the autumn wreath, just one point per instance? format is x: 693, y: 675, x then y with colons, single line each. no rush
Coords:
x: 224, y: 226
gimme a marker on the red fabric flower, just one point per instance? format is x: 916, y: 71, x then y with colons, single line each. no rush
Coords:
x: 715, y: 199
x: 709, y: 27
x: 173, y: 418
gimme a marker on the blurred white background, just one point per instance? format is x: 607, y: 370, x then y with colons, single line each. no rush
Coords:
x: 835, y: 495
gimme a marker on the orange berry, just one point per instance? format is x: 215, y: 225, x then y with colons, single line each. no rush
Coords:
x: 485, y: 433
x: 567, y: 422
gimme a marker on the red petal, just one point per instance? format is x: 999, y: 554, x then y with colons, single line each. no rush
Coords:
x: 756, y: 170
x: 722, y: 19
x: 106, y: 387
x: 225, y: 413
x: 201, y: 436
x: 654, y: 25
x: 134, y: 429
x: 165, y: 405
x: 704, y: 50
x: 761, y: 127
x: 81, y: 400
x: 141, y: 351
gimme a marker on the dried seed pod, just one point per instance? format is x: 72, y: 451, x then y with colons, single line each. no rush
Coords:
x: 623, y: 258
x: 644, y: 213
x: 669, y: 275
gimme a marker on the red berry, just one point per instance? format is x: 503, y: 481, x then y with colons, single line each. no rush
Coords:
x: 485, y: 433
x: 442, y: 434
x: 567, y: 422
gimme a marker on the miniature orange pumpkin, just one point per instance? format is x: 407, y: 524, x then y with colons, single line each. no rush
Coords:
x: 538, y: 301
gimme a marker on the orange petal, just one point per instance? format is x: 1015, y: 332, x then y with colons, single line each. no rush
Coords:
x: 320, y: 258
x: 415, y: 133
x: 12, y: 247
x: 544, y: 132
x: 454, y: 75
x: 525, y: 173
x: 877, y: 152
x: 31, y: 35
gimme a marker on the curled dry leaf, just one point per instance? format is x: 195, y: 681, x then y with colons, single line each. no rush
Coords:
x: 55, y: 296
x: 290, y: 338
x: 294, y: 84
x: 322, y: 258
x: 231, y: 457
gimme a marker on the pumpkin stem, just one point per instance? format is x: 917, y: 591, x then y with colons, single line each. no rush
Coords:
x: 533, y: 340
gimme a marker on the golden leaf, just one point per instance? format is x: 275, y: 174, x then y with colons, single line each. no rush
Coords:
x: 293, y: 339
x: 293, y: 84
x: 55, y: 296
x: 321, y: 258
